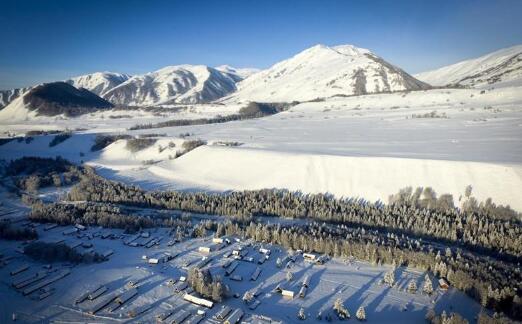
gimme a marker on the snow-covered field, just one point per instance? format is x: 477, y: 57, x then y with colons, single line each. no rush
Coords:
x: 365, y: 146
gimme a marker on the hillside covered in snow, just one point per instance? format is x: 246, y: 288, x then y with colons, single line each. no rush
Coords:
x: 53, y: 99
x: 500, y: 68
x: 321, y: 72
x: 99, y: 82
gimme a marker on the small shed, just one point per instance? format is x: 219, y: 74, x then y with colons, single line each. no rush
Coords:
x: 223, y: 312
x: 235, y: 317
x: 443, y: 284
x: 205, y: 249
x: 287, y: 293
x: 198, y: 301
x: 310, y: 257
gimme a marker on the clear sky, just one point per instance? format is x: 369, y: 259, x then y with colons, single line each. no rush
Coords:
x: 46, y: 40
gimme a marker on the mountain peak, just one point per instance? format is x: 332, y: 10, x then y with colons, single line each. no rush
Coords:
x: 322, y: 71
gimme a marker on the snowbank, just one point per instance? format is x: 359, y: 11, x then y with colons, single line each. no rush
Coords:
x: 372, y: 178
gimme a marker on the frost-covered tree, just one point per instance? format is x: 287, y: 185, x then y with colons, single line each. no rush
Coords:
x: 289, y: 276
x: 427, y: 287
x: 412, y: 286
x: 301, y: 315
x: 340, y: 310
x: 279, y: 262
x: 389, y: 277
x: 361, y: 314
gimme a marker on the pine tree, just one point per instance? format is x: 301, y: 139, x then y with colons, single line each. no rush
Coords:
x: 341, y: 311
x: 279, y: 262
x: 412, y: 286
x: 289, y: 276
x: 301, y: 315
x: 361, y: 314
x: 389, y: 278
x: 428, y: 286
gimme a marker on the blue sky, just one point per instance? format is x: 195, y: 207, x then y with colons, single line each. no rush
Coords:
x: 46, y: 40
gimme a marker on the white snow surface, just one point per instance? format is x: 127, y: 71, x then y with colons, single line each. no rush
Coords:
x: 371, y: 178
x: 99, y: 82
x: 322, y: 71
x: 499, y: 68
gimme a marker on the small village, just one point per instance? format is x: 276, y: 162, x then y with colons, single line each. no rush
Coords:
x: 149, y: 276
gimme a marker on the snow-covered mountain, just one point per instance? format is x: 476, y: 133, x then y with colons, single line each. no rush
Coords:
x: 241, y: 73
x: 7, y: 96
x: 502, y: 68
x: 322, y: 71
x: 99, y: 82
x: 173, y: 84
x: 52, y: 99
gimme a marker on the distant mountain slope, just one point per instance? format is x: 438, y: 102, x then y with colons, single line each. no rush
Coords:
x: 7, y: 96
x: 99, y: 82
x: 501, y: 68
x: 323, y: 71
x: 52, y: 99
x: 173, y: 84
x: 241, y: 73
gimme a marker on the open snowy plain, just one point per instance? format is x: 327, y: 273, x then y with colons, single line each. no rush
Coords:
x: 364, y: 146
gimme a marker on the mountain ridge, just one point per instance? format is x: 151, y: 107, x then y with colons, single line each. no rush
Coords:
x: 502, y: 67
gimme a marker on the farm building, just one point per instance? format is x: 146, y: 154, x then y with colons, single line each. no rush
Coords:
x: 264, y: 251
x: 287, y: 293
x: 235, y: 317
x: 256, y: 274
x: 223, y: 312
x: 302, y: 292
x: 80, y: 227
x: 306, y: 281
x: 231, y: 268
x: 443, y: 284
x: 203, y: 262
x: 19, y: 269
x: 218, y: 240
x: 311, y: 257
x: 205, y: 249
x: 180, y: 286
x: 180, y: 317
x: 50, y: 227
x: 70, y: 231
x: 198, y: 301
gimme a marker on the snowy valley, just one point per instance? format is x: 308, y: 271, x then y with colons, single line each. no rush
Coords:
x: 343, y: 179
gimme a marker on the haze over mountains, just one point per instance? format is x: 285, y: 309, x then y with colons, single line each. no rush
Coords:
x: 317, y: 72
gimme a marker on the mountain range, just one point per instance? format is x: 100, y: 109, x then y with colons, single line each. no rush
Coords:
x: 317, y: 72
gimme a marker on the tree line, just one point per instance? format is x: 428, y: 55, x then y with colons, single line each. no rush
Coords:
x: 477, y: 229
x: 252, y: 110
